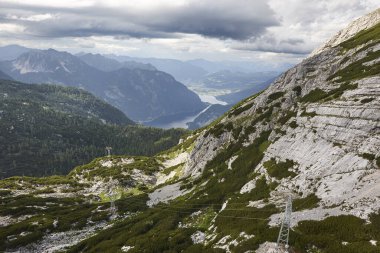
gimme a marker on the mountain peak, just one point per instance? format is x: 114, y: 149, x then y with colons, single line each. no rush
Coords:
x: 45, y: 61
x: 351, y: 30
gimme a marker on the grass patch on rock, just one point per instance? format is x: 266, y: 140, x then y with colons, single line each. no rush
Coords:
x: 309, y: 202
x: 279, y: 170
x: 317, y: 94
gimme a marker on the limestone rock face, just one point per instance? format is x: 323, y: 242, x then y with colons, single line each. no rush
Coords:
x: 332, y: 135
x: 356, y: 26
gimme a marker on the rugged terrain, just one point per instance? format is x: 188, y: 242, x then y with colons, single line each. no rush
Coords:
x: 313, y: 135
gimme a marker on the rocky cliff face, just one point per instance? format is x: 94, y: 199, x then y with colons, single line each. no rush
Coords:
x: 324, y: 116
x: 313, y: 135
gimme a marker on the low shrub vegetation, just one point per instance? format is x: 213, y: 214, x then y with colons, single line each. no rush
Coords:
x: 317, y: 94
x: 275, y: 95
x: 279, y: 170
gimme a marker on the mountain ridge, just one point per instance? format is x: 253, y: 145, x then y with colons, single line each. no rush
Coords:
x: 137, y: 92
x: 107, y: 64
x: 269, y: 146
x: 312, y: 135
x: 350, y: 31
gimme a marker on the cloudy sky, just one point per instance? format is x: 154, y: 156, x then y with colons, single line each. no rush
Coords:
x: 272, y: 31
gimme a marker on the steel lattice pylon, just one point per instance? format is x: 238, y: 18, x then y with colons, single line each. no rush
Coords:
x: 283, y: 236
x: 113, y: 208
x: 108, y: 151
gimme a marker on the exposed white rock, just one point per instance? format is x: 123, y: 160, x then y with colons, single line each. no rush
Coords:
x: 7, y: 220
x: 198, y: 237
x: 230, y: 161
x: 181, y: 158
x: 351, y: 30
x: 56, y: 242
x: 245, y: 236
x: 205, y: 149
x: 248, y: 187
x: 124, y: 161
x: 226, y: 242
x: 196, y: 213
x: 166, y: 193
x: 27, y: 67
x: 223, y: 243
x: 163, y: 178
x: 99, y: 186
x: 267, y: 247
x: 107, y: 163
x: 223, y: 206
x: 257, y: 204
x: 140, y: 176
x: 25, y: 233
x: 126, y: 248
x: 55, y: 223
x: 314, y: 214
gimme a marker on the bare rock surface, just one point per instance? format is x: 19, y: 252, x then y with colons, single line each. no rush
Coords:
x: 356, y: 26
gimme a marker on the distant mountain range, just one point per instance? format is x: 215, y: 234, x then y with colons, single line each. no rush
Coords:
x: 202, y: 76
x: 227, y: 79
x: 139, y: 86
x: 49, y: 129
x: 238, y: 66
x: 11, y: 52
x: 182, y: 71
x: 142, y: 94
x: 193, y: 71
x: 108, y: 64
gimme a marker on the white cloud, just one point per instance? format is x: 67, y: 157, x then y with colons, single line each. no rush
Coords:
x: 215, y: 29
x: 11, y: 29
x: 312, y: 21
x: 237, y: 19
x: 32, y: 18
x: 52, y: 3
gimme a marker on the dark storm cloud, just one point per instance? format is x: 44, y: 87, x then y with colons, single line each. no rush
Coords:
x: 223, y: 19
x: 269, y: 43
x: 238, y: 19
x: 272, y: 49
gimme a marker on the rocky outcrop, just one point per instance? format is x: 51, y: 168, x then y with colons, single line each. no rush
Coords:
x: 333, y: 139
x: 351, y: 30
